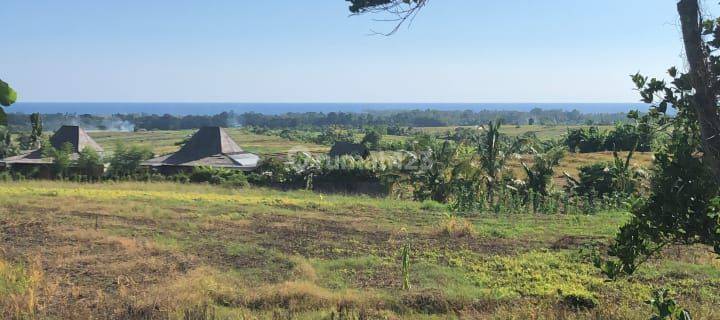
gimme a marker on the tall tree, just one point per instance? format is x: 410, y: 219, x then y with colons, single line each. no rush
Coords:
x: 37, y: 129
x: 704, y: 77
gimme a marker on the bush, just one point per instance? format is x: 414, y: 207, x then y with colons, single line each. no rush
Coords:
x: 272, y: 171
x: 372, y: 140
x: 606, y: 179
x: 666, y: 308
x: 7, y: 147
x: 90, y: 164
x: 596, y: 179
x: 455, y: 227
x: 585, y: 140
x: 125, y: 162
x: 219, y: 176
x: 579, y: 301
x: 624, y: 137
x: 61, y: 159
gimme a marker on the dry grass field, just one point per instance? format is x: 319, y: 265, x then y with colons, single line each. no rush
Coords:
x: 174, y: 251
x: 572, y: 161
x: 192, y: 251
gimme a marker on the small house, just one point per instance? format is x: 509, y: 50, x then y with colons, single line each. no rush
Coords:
x: 35, y: 161
x: 210, y: 147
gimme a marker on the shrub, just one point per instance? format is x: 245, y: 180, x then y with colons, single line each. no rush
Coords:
x: 625, y: 137
x: 455, y: 227
x: 585, y: 140
x: 605, y: 179
x: 61, y: 159
x: 219, y: 176
x: 125, y: 162
x: 372, y: 140
x: 539, y: 174
x: 272, y: 171
x: 665, y: 308
x: 596, y: 179
x: 7, y: 147
x: 90, y: 164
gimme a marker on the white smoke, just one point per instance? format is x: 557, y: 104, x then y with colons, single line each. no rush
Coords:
x: 107, y: 123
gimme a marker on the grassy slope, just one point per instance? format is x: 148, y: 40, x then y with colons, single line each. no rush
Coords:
x: 163, y: 142
x: 131, y: 248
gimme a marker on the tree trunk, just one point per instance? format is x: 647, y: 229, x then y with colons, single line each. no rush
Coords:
x: 703, y: 81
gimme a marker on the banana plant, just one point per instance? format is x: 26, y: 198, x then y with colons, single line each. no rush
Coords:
x: 434, y: 182
x: 493, y: 152
x: 541, y: 171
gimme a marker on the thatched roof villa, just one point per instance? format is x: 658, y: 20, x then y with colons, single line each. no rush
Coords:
x: 76, y: 136
x: 209, y: 146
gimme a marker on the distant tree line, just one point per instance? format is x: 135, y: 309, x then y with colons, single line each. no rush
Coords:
x: 427, y: 118
x: 405, y: 118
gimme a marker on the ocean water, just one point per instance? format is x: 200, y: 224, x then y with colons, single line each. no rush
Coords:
x: 106, y: 108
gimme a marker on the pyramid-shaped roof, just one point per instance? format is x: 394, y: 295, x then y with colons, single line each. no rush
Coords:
x: 209, y: 141
x: 75, y: 136
x: 209, y: 146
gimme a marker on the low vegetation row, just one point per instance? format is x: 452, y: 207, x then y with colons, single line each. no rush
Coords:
x: 469, y: 172
x: 314, y: 120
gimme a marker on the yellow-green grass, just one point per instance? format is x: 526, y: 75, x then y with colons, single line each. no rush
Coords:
x: 572, y: 162
x: 124, y: 250
x: 163, y: 142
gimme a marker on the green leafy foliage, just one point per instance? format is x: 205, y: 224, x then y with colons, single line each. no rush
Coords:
x: 585, y: 140
x: 7, y: 147
x: 90, y: 164
x: 8, y: 96
x: 36, y: 129
x: 219, y: 176
x: 372, y: 139
x: 334, y: 134
x: 494, y: 150
x: 665, y: 308
x: 605, y: 179
x: 540, y: 172
x: 435, y: 182
x: 125, y: 162
x: 61, y: 159
x: 626, y: 137
x: 681, y: 207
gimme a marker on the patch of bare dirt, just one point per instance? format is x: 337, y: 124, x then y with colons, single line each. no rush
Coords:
x: 576, y: 242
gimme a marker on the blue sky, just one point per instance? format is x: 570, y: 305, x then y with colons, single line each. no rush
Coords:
x: 311, y: 51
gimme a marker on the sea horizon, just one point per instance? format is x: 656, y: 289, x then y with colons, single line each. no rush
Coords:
x: 209, y: 108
